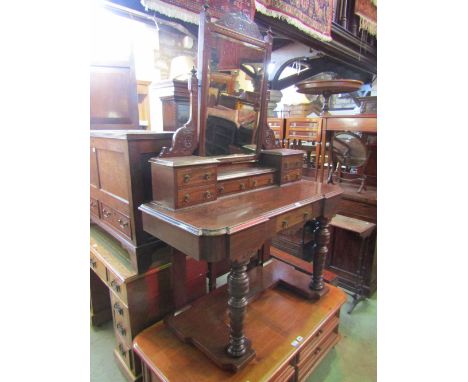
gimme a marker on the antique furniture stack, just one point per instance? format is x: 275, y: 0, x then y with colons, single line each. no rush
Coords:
x: 132, y: 272
x: 217, y: 208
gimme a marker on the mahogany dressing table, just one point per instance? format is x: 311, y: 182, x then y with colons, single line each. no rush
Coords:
x: 215, y: 207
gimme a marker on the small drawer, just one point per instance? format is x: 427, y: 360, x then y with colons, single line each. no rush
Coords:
x: 116, y: 219
x: 286, y: 374
x: 191, y: 196
x: 126, y: 355
x: 290, y: 219
x: 235, y: 185
x: 291, y: 176
x: 189, y: 177
x: 123, y: 332
x: 117, y: 285
x: 94, y: 207
x: 293, y: 162
x: 261, y: 180
x: 323, y: 332
x: 119, y: 310
x: 307, y: 365
x: 98, y: 267
x: 122, y: 223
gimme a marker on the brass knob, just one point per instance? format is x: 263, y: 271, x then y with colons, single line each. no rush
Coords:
x: 122, y: 223
x: 317, y: 351
x: 121, y: 329
x: 186, y: 178
x: 242, y: 186
x: 207, y: 176
x: 208, y: 195
x: 284, y: 224
x: 186, y: 198
x: 115, y: 285
x: 221, y: 189
x: 118, y: 308
x: 255, y: 182
x: 306, y: 215
x: 93, y: 263
x: 106, y: 213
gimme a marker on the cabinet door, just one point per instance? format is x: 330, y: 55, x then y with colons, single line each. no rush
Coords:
x: 114, y: 99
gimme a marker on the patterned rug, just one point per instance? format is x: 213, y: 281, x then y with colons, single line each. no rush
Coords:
x: 172, y: 8
x: 313, y: 17
x: 367, y: 12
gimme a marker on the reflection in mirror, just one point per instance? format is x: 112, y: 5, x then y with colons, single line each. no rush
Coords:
x: 235, y: 74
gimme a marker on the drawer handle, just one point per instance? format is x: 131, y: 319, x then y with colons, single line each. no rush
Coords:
x: 208, y: 195
x: 121, y: 329
x: 319, y: 333
x: 186, y: 198
x: 106, y: 213
x: 122, y: 350
x: 123, y: 223
x: 115, y: 286
x: 318, y: 350
x: 92, y: 263
x: 207, y: 176
x: 118, y: 308
x: 306, y: 216
x: 242, y: 186
x: 284, y: 224
x: 186, y: 178
x: 221, y: 189
x: 255, y: 183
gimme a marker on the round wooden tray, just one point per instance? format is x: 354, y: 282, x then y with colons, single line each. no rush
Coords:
x: 328, y: 86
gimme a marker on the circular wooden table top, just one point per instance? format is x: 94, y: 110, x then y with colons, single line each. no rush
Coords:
x: 328, y: 86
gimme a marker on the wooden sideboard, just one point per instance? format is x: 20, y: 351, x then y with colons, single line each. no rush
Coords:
x: 136, y: 301
x: 286, y: 350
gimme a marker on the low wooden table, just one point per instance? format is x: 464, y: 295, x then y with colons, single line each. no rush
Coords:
x: 291, y: 336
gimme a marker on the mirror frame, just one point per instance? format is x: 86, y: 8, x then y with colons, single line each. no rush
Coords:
x: 252, y: 36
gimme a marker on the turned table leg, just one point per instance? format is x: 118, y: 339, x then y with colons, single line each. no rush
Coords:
x: 238, y: 287
x: 322, y: 239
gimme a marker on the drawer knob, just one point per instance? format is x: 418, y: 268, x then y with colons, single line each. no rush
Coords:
x: 208, y: 195
x: 186, y: 198
x: 118, y: 308
x: 221, y: 189
x: 92, y: 263
x: 115, y: 285
x: 121, y: 329
x: 106, y: 213
x: 306, y: 216
x: 284, y: 224
x: 186, y: 178
x: 207, y: 176
x: 242, y: 186
x: 317, y: 351
x: 255, y: 183
x: 122, y: 223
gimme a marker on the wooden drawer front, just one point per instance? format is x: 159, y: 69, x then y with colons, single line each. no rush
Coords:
x: 98, y: 267
x: 286, y: 374
x: 309, y: 135
x: 119, y: 311
x: 123, y: 332
x: 116, y: 219
x: 191, y: 196
x: 235, y: 185
x: 261, y: 180
x: 367, y: 212
x: 196, y: 176
x: 289, y: 219
x: 291, y: 176
x: 94, y: 207
x: 117, y: 286
x: 307, y: 365
x: 126, y: 355
x: 293, y: 162
x: 312, y: 343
